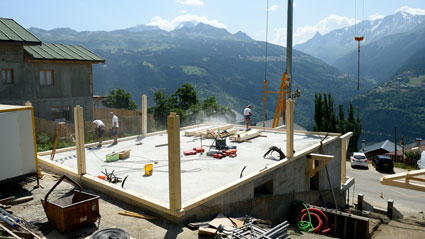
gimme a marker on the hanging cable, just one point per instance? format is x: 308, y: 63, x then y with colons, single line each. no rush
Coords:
x: 265, y: 65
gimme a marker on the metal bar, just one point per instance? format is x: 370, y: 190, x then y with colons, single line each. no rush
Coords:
x: 289, y: 42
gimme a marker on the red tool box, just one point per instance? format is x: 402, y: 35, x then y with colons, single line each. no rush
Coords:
x: 199, y: 150
x: 189, y: 152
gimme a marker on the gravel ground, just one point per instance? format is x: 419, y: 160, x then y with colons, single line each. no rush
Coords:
x: 33, y: 212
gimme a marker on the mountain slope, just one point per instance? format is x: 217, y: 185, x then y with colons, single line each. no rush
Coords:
x: 399, y: 101
x: 382, y: 58
x: 218, y: 63
x: 335, y: 44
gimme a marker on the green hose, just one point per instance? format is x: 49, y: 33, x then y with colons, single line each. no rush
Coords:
x: 305, y: 225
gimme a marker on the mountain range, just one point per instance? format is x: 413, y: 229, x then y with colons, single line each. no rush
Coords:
x: 230, y: 67
x: 393, y: 56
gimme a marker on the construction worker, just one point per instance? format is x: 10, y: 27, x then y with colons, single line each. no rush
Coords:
x: 98, y: 130
x: 115, y: 127
x: 247, y: 114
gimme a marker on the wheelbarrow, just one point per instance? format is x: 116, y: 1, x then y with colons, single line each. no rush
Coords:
x: 67, y: 215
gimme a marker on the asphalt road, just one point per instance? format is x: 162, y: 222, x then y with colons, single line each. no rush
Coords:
x: 409, y: 202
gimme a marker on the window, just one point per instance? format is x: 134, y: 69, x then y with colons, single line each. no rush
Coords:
x: 264, y: 189
x: 46, y: 77
x: 61, y: 113
x: 7, y: 76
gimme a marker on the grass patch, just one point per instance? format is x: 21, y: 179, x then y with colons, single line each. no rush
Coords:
x: 416, y: 80
x: 194, y: 70
x: 404, y: 166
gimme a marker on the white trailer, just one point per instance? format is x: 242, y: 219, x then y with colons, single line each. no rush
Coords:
x: 18, y: 153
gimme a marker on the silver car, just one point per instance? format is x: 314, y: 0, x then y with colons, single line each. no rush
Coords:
x: 358, y: 159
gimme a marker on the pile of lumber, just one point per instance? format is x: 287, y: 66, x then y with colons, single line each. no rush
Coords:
x: 246, y: 135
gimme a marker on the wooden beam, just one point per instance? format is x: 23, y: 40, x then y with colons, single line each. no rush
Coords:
x: 412, y: 186
x: 245, y: 135
x: 222, y: 127
x: 319, y: 157
x: 144, y: 115
x: 79, y: 140
x: 174, y: 172
x: 345, y: 139
x: 290, y: 128
x: 192, y: 132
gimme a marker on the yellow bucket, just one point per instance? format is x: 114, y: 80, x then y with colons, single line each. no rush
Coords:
x: 148, y: 169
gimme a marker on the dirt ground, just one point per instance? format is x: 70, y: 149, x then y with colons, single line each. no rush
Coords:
x: 33, y: 212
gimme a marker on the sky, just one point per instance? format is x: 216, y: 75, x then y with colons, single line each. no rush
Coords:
x: 249, y: 16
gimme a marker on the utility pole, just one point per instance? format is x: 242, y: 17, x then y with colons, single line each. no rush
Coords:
x: 395, y: 142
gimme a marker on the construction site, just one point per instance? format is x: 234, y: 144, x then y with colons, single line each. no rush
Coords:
x: 219, y: 178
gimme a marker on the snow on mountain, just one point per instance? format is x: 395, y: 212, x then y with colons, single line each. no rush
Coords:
x: 335, y: 44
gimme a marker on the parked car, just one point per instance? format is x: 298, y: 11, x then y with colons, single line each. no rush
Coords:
x: 421, y: 162
x: 382, y: 162
x: 358, y: 159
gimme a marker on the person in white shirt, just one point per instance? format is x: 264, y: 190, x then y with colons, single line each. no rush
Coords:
x: 115, y: 127
x: 98, y: 129
x: 247, y: 114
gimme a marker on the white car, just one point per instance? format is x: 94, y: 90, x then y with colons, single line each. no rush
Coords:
x: 421, y: 162
x: 358, y: 159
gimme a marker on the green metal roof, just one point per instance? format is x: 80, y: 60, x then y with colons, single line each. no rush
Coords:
x: 12, y: 32
x: 50, y: 51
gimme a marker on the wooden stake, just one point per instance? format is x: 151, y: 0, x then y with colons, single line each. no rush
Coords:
x: 174, y: 176
x: 144, y: 115
x: 79, y: 140
x: 289, y: 128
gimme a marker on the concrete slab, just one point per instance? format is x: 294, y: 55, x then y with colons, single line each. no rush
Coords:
x: 200, y: 173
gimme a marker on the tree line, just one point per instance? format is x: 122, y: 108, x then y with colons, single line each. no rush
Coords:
x: 325, y: 119
x: 186, y: 104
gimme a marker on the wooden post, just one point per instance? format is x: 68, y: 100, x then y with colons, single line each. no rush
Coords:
x: 79, y: 140
x: 344, y: 146
x: 289, y: 128
x: 144, y: 115
x: 174, y: 176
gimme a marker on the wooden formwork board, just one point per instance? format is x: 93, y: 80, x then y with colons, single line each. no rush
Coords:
x: 192, y: 132
x: 221, y: 127
x: 346, y: 225
x: 222, y: 134
x: 245, y: 135
x: 206, y: 129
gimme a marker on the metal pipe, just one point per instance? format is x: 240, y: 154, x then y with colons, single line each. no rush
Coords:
x: 289, y: 43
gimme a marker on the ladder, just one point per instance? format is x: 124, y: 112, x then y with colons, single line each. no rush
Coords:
x: 58, y: 133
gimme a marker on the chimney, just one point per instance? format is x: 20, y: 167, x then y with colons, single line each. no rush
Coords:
x: 363, y: 145
x: 418, y: 141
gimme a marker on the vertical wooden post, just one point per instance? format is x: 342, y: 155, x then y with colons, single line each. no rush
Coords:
x: 144, y: 115
x: 344, y: 146
x: 79, y: 140
x: 174, y: 177
x: 289, y: 128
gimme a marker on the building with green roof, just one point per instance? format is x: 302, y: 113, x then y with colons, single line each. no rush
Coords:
x: 53, y: 77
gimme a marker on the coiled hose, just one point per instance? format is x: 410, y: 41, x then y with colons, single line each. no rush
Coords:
x: 305, y: 225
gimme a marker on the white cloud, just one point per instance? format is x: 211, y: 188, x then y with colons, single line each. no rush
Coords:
x: 273, y: 8
x: 413, y: 11
x: 376, y: 16
x: 191, y: 2
x: 170, y: 25
x: 304, y: 33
